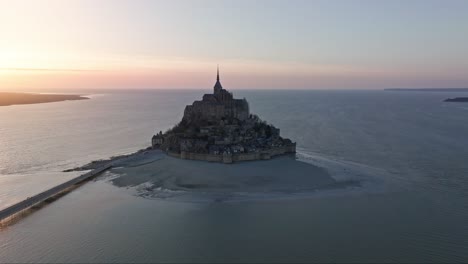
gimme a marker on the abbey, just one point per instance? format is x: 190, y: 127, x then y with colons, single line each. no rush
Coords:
x: 218, y: 105
x: 220, y: 128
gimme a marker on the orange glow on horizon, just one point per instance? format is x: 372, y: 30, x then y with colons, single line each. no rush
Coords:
x: 60, y: 70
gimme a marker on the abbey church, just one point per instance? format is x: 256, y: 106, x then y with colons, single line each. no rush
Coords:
x: 220, y: 104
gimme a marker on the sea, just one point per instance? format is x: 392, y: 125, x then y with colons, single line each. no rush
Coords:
x: 407, y: 150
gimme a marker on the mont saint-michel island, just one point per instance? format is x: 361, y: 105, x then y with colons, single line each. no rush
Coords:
x: 221, y: 128
x: 219, y: 149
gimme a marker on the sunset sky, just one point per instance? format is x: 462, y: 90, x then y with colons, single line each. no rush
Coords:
x: 328, y: 44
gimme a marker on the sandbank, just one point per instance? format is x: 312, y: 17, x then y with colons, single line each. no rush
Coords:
x: 158, y: 172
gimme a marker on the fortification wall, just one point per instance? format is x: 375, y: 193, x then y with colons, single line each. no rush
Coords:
x: 247, y: 156
x: 263, y: 155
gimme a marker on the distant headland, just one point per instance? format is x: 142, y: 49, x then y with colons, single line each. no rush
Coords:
x: 457, y: 100
x: 426, y: 89
x: 221, y: 128
x: 7, y: 98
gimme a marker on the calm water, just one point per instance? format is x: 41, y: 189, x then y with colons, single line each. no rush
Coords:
x: 409, y: 150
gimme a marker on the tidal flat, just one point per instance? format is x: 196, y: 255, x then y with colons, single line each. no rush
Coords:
x: 157, y: 175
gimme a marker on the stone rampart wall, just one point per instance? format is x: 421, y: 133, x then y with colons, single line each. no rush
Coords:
x: 263, y: 155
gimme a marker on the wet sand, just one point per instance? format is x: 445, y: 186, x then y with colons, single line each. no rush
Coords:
x: 162, y: 176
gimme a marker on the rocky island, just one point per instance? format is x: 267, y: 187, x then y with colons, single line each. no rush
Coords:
x: 220, y: 128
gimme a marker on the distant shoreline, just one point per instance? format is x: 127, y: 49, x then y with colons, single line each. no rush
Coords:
x: 8, y: 98
x: 426, y: 89
x: 457, y: 100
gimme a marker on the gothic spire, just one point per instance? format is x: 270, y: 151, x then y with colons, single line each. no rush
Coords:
x: 217, y: 87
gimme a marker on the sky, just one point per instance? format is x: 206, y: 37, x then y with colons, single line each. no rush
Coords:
x: 310, y: 44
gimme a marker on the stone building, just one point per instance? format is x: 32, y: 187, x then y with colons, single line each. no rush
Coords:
x: 220, y: 104
x: 157, y: 140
